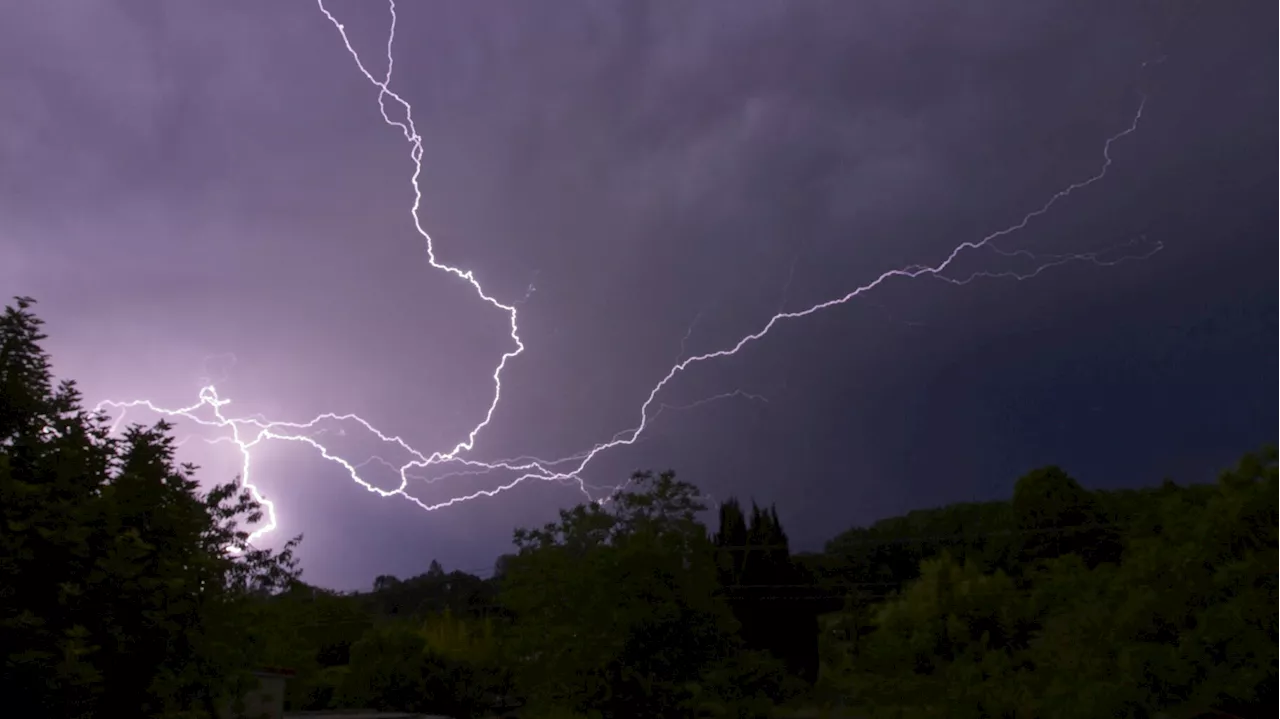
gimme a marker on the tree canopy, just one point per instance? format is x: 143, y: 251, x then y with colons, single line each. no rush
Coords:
x: 1171, y: 610
x: 617, y: 604
x: 123, y: 586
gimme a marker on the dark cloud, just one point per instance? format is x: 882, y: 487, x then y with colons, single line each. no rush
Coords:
x: 187, y: 179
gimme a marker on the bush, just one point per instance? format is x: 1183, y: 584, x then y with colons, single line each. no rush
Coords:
x: 393, y: 669
x: 746, y: 685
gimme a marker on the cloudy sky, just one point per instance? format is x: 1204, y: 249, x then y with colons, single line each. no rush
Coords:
x: 206, y: 191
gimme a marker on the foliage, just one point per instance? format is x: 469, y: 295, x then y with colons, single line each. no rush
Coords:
x: 887, y: 555
x: 123, y: 588
x: 394, y: 669
x: 946, y: 640
x: 1189, y: 618
x: 431, y: 593
x: 314, y: 631
x: 1184, y: 622
x: 1055, y: 516
x: 311, y: 631
x: 771, y: 596
x: 618, y: 608
x: 466, y: 640
x: 473, y: 643
x: 745, y: 685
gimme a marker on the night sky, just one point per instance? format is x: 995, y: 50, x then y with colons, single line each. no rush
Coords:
x: 206, y: 191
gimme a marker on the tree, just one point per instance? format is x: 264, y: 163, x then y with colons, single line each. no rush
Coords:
x: 474, y: 645
x: 393, y: 668
x: 500, y: 566
x: 889, y: 552
x: 770, y: 594
x: 311, y: 630
x: 1056, y: 516
x: 1187, y: 621
x: 948, y: 640
x: 124, y: 589
x: 617, y: 604
x: 432, y: 592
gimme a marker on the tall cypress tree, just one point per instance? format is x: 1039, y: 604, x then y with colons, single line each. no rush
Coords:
x: 766, y: 589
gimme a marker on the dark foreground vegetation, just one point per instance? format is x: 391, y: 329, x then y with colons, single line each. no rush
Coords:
x: 127, y: 591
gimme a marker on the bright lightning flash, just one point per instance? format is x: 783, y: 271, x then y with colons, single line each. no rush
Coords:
x: 248, y: 432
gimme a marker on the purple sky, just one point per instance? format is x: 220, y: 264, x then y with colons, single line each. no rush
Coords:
x: 188, y: 181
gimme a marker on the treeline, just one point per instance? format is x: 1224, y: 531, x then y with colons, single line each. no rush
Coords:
x: 1064, y: 602
x: 632, y: 610
x: 1059, y: 602
x: 125, y: 590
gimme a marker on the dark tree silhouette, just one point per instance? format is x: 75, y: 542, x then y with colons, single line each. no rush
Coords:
x: 124, y: 589
x: 771, y: 596
x: 1055, y: 516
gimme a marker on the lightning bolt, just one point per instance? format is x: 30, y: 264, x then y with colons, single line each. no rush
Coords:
x: 247, y: 432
